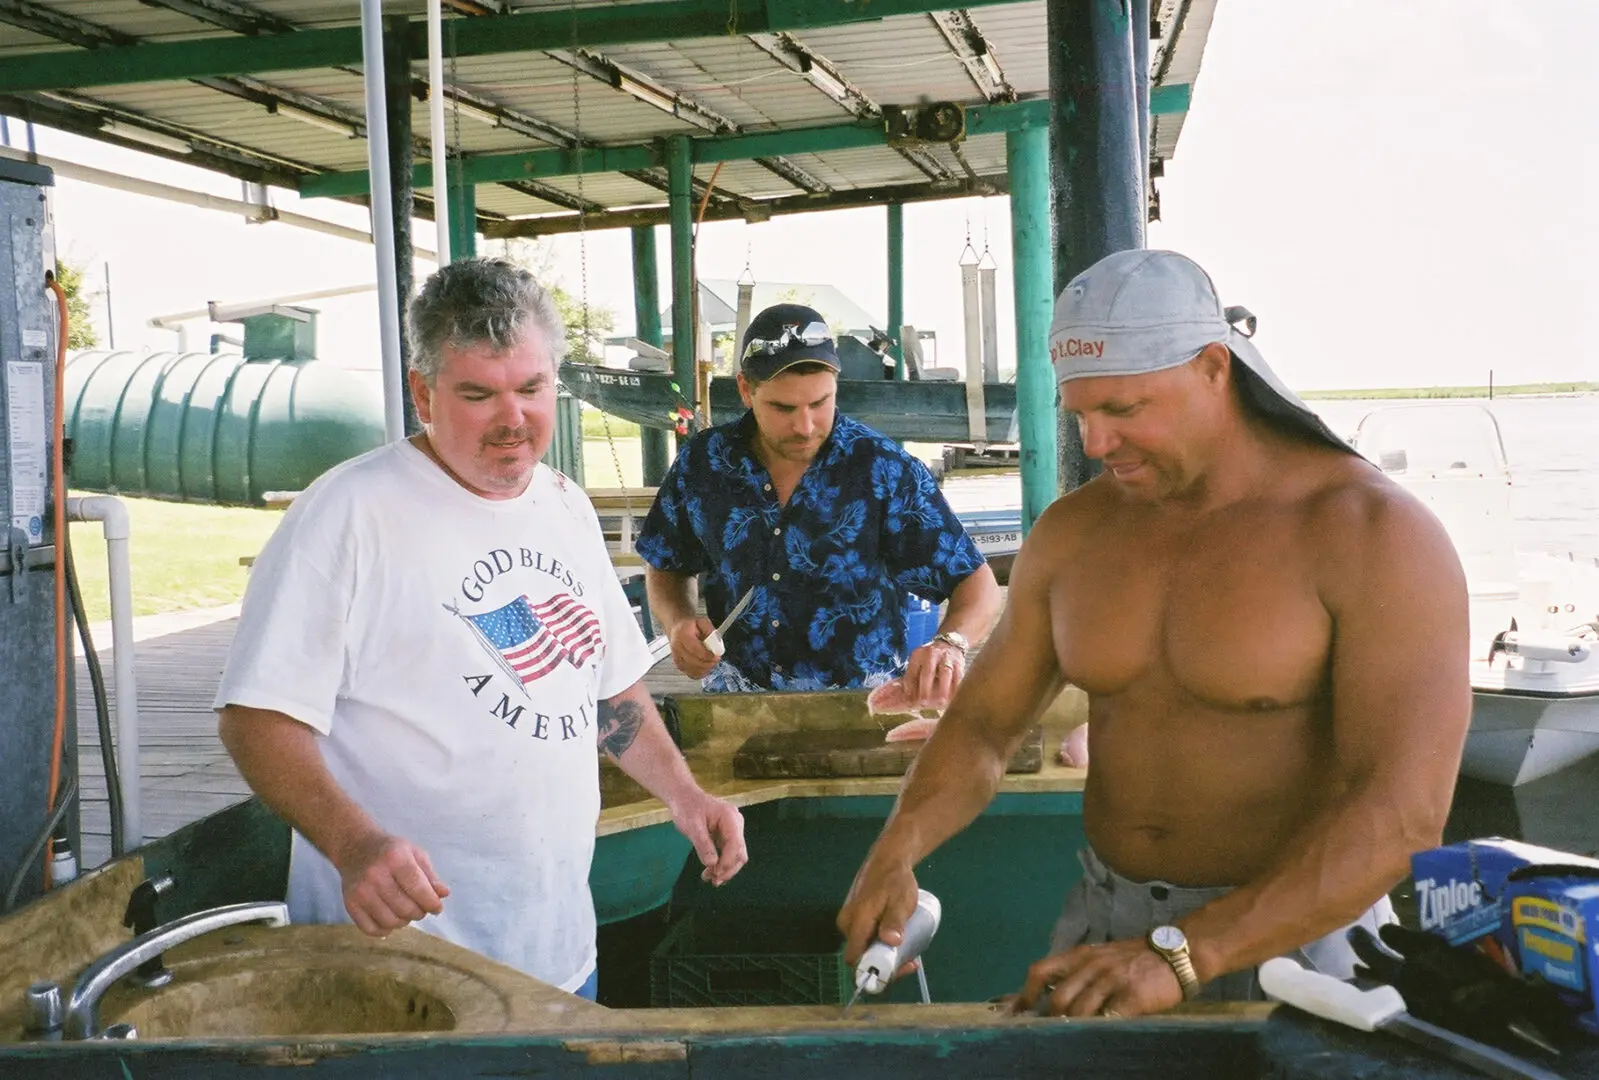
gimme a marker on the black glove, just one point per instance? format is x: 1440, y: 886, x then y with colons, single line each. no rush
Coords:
x: 1463, y: 989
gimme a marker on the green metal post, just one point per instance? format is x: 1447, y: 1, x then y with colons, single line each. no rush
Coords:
x: 463, y: 215
x: 647, y: 315
x: 679, y: 172
x: 1098, y: 185
x: 896, y: 283
x: 1032, y: 261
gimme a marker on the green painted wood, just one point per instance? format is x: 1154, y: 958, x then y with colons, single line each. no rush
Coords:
x: 231, y: 857
x: 920, y: 411
x: 609, y: 24
x: 634, y: 871
x: 1032, y: 258
x: 536, y: 164
x: 1001, y: 880
x: 680, y: 174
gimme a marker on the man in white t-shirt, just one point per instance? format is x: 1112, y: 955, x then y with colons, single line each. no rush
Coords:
x: 431, y: 648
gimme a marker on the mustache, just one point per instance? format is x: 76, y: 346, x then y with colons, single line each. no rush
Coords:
x: 500, y: 435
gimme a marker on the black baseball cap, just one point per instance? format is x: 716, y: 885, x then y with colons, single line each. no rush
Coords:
x: 784, y: 335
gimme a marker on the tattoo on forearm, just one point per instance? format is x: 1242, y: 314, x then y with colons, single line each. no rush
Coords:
x: 620, y: 720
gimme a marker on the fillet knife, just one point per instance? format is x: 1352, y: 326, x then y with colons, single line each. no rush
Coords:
x: 1382, y: 1009
x: 713, y: 640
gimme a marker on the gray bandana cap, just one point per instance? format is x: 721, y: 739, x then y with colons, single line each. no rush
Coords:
x: 1140, y: 311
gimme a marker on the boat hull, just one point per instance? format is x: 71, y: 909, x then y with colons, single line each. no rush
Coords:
x: 1517, y: 738
x: 913, y: 411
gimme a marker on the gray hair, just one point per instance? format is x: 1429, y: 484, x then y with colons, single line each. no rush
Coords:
x: 485, y: 301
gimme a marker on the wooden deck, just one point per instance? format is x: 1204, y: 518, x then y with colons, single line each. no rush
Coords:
x: 186, y: 772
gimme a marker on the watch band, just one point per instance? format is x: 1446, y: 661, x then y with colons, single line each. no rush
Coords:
x: 952, y: 639
x: 1183, y: 967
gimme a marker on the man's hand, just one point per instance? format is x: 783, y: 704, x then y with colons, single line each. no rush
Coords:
x: 931, y: 676
x: 716, y: 829
x: 1122, y: 978
x: 880, y: 900
x: 689, y: 653
x: 389, y: 882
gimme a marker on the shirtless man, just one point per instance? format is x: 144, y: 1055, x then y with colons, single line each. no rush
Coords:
x: 1272, y: 636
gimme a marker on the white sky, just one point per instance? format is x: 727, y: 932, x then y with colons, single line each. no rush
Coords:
x: 1404, y: 199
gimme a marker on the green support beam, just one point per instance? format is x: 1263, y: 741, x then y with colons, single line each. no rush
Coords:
x: 537, y: 164
x: 525, y: 31
x: 751, y: 210
x: 680, y: 173
x: 896, y: 283
x: 1032, y: 261
x: 647, y: 319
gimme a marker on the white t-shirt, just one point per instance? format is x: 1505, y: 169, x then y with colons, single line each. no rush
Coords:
x: 451, y: 650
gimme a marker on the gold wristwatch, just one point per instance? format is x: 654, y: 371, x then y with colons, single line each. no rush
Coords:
x: 1171, y: 944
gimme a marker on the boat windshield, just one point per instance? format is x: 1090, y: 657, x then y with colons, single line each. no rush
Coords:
x: 1433, y: 441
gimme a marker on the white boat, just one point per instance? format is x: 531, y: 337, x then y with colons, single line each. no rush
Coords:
x: 1534, y: 615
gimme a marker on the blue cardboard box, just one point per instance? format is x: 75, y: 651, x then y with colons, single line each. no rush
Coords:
x: 1551, y: 929
x: 1533, y: 909
x: 1460, y: 887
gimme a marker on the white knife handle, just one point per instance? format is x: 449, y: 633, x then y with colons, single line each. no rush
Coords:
x: 1329, y: 998
x: 713, y: 644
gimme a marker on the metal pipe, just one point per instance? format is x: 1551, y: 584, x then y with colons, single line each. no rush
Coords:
x: 1097, y: 183
x: 680, y: 171
x: 436, y: 139
x: 988, y: 288
x: 653, y: 447
x: 1027, y: 161
x: 102, y: 178
x: 976, y: 407
x: 463, y: 215
x: 112, y: 513
x: 896, y: 285
x: 377, y: 163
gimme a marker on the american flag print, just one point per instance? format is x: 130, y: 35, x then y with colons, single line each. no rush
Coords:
x: 535, y: 638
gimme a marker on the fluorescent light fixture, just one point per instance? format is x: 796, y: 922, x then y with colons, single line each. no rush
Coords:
x: 647, y: 94
x: 826, y: 81
x: 305, y: 116
x: 124, y: 130
x: 482, y: 115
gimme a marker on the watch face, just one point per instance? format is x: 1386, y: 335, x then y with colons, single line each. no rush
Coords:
x: 1167, y: 938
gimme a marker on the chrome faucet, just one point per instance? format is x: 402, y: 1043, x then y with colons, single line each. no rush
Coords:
x: 82, y: 1014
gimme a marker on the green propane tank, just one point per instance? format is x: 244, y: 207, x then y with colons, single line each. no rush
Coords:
x: 214, y: 427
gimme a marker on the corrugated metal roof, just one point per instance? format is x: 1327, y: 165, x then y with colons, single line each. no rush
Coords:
x: 740, y: 82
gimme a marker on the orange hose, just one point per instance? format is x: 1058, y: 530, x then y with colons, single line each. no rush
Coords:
x: 699, y: 219
x: 58, y: 488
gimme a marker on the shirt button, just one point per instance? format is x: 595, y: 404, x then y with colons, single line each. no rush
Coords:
x: 777, y: 577
x: 774, y: 624
x: 777, y: 532
x: 766, y: 487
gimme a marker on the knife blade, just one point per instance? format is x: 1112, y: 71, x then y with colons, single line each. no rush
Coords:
x: 1382, y: 1009
x: 713, y: 640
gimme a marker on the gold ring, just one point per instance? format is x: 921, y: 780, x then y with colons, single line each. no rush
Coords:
x: 946, y: 663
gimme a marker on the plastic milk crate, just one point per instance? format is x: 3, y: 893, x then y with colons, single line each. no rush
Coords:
x: 750, y: 957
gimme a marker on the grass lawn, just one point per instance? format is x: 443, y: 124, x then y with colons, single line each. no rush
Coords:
x: 183, y: 555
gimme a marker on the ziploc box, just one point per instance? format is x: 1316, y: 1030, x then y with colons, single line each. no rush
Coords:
x: 1460, y: 887
x: 1551, y: 928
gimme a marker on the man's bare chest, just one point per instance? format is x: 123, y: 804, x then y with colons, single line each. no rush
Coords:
x: 1227, y: 616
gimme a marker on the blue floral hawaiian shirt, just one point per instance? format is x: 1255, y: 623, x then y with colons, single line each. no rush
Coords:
x: 865, y: 528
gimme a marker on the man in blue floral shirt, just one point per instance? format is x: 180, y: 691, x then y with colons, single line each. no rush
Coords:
x: 828, y: 526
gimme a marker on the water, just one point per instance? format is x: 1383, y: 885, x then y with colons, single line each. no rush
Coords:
x: 1549, y: 443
